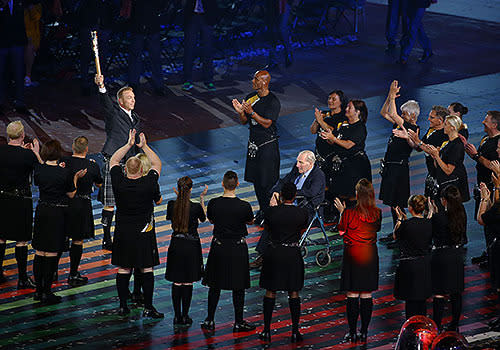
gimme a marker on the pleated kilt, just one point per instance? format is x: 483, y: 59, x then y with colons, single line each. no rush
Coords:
x: 494, y: 262
x: 395, y: 185
x: 80, y: 219
x: 227, y: 265
x: 16, y: 218
x: 282, y: 269
x: 264, y: 168
x: 133, y: 248
x: 184, y: 260
x: 359, y: 268
x: 413, y: 279
x: 353, y: 169
x: 49, y: 230
x: 447, y: 266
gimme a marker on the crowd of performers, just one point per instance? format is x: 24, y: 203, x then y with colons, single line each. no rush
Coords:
x: 431, y: 240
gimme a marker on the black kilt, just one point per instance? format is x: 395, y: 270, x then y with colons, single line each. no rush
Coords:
x: 395, y: 185
x: 49, y: 231
x: 184, y: 260
x: 264, y: 168
x: 494, y: 262
x: 227, y: 265
x: 133, y: 248
x: 353, y: 169
x: 447, y: 266
x: 282, y: 269
x: 16, y: 216
x: 359, y: 268
x: 413, y: 279
x: 80, y: 219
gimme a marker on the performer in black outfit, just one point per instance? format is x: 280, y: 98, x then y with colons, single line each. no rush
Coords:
x: 447, y: 262
x: 394, y: 167
x: 184, y: 259
x: 16, y: 206
x: 351, y: 162
x: 324, y: 151
x: 135, y: 245
x: 227, y: 263
x: 119, y: 119
x: 80, y: 217
x: 56, y: 184
x: 484, y: 155
x: 260, y: 110
x: 458, y: 109
x: 283, y: 266
x: 413, y: 282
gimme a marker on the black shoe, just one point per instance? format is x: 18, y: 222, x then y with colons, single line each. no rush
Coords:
x: 26, y: 284
x: 363, y: 337
x: 186, y: 320
x: 77, y: 280
x: 243, y: 326
x: 50, y: 298
x: 350, y: 337
x: 123, y: 311
x: 107, y: 245
x: 178, y: 322
x: 265, y: 336
x: 426, y: 57
x: 152, y: 312
x: 208, y: 325
x: 296, y: 337
x: 137, y: 298
x: 479, y: 259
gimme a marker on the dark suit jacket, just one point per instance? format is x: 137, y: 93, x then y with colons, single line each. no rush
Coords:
x: 210, y: 8
x: 314, y: 185
x: 117, y: 124
x: 13, y: 32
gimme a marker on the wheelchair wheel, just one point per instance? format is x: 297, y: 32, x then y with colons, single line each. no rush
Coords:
x: 323, y: 258
x: 303, y: 251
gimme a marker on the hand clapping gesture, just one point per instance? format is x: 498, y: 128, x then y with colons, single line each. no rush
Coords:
x: 142, y: 140
x: 238, y: 107
x: 401, y: 215
x: 394, y: 90
x: 131, y: 137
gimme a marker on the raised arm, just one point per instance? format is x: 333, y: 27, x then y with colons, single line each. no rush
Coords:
x: 155, y: 160
x: 122, y: 151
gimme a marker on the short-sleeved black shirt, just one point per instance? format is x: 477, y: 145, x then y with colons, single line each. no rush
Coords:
x: 453, y: 153
x: 135, y: 197
x: 487, y: 149
x: 267, y: 107
x: 398, y: 149
x: 334, y: 120
x: 356, y: 133
x: 53, y: 183
x: 195, y: 213
x: 415, y: 237
x: 285, y: 223
x: 434, y: 138
x: 93, y: 175
x: 491, y: 219
x: 229, y: 216
x: 441, y: 234
x: 17, y: 165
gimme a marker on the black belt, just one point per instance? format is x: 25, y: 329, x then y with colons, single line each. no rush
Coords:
x: 188, y: 236
x: 16, y: 193
x: 221, y: 241
x: 293, y: 244
x: 410, y: 258
x: 53, y: 204
x: 83, y: 196
x: 447, y: 246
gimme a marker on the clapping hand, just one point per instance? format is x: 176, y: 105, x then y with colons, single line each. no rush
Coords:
x: 433, y: 151
x: 485, y: 192
x: 274, y: 199
x: 401, y: 215
x: 394, y: 90
x: 80, y: 173
x: 495, y: 167
x: 247, y: 107
x: 327, y: 135
x: 131, y: 137
x: 142, y: 140
x: 318, y: 115
x: 238, y: 107
x: 432, y: 208
x: 413, y: 136
x: 401, y: 133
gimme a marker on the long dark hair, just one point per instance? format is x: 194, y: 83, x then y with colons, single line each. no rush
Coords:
x: 180, y: 221
x: 365, y: 196
x: 455, y: 211
x: 342, y: 97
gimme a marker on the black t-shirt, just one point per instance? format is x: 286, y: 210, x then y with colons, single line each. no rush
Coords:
x: 487, y: 149
x: 491, y: 219
x: 334, y: 120
x: 434, y: 138
x: 135, y: 197
x: 195, y: 213
x: 229, y: 216
x: 398, y: 149
x: 415, y: 237
x: 464, y: 131
x: 453, y: 153
x: 267, y: 107
x: 285, y: 223
x: 53, y: 183
x: 441, y: 235
x: 93, y: 175
x: 17, y: 165
x: 356, y: 133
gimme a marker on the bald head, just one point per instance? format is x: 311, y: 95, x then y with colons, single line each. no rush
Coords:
x: 261, y: 80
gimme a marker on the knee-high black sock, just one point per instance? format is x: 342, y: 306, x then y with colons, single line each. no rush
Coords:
x: 75, y: 255
x: 268, y: 312
x: 294, y: 305
x: 2, y: 255
x: 187, y: 294
x: 122, y: 281
x: 137, y: 281
x: 21, y: 253
x: 238, y: 304
x: 352, y: 311
x: 38, y: 273
x: 437, y: 310
x: 213, y: 300
x: 365, y: 310
x: 456, y: 308
x: 49, y: 270
x: 107, y: 219
x: 148, y: 285
x: 176, y: 300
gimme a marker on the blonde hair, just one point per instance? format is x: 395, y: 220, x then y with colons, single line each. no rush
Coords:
x: 15, y: 130
x: 455, y: 121
x: 120, y: 92
x: 133, y: 165
x: 146, y: 162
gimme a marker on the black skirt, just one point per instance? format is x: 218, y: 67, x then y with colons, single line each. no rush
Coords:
x: 282, y: 269
x: 227, y: 265
x: 16, y: 216
x: 353, y: 169
x: 494, y: 262
x: 359, y: 268
x: 264, y: 168
x: 413, y: 279
x: 447, y: 266
x: 184, y: 260
x: 133, y: 248
x: 49, y: 231
x: 80, y: 219
x: 395, y: 185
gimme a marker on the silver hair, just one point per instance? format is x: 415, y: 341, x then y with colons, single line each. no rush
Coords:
x: 454, y: 121
x: 310, y: 157
x: 411, y: 107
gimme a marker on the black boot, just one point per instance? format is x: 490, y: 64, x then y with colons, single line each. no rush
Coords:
x: 268, y: 304
x: 294, y: 304
x: 24, y: 282
x: 107, y: 219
